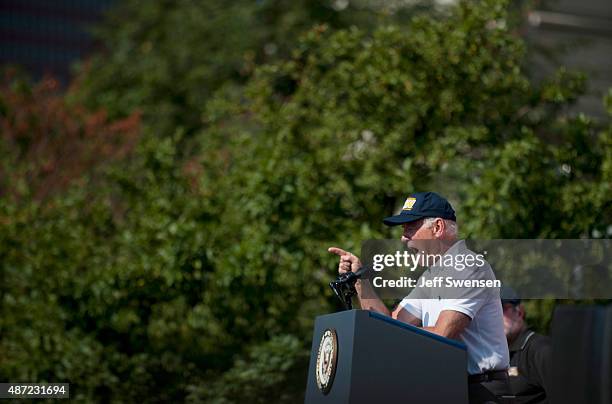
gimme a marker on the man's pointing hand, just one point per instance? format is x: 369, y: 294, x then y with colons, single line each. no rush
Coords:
x: 348, y: 261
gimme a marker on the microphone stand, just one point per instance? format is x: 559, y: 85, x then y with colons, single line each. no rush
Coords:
x: 344, y: 286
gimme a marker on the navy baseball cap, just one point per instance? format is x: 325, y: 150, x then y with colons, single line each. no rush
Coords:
x: 509, y: 295
x: 420, y: 205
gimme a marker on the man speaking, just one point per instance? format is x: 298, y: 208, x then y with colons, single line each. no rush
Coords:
x: 475, y: 319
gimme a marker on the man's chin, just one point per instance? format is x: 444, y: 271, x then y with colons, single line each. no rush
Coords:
x: 413, y: 245
x: 419, y: 246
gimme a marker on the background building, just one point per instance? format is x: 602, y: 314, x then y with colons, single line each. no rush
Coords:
x: 47, y: 36
x: 578, y: 35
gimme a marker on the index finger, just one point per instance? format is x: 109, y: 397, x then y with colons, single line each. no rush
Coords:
x: 338, y: 251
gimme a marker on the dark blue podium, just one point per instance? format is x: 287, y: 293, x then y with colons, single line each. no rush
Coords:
x: 360, y: 356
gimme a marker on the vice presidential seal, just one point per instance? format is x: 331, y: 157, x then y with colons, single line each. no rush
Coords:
x: 326, y: 360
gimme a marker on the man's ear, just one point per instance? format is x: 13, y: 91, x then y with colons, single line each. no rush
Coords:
x: 521, y: 310
x: 439, y: 228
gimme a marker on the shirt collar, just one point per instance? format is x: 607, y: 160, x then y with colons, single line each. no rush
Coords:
x: 519, y: 342
x: 456, y: 248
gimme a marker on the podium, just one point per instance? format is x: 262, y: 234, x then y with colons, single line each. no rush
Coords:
x: 359, y: 356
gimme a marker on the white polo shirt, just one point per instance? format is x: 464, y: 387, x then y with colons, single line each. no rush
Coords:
x: 484, y: 337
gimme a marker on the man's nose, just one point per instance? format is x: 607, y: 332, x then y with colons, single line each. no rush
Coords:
x: 406, y: 238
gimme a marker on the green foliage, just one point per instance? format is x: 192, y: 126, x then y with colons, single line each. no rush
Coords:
x: 167, y: 58
x: 274, y: 368
x: 116, y: 290
x: 352, y: 122
x: 95, y: 282
x: 48, y: 143
x: 197, y: 278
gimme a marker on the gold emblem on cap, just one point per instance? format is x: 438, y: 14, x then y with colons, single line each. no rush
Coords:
x: 409, y: 204
x: 327, y: 356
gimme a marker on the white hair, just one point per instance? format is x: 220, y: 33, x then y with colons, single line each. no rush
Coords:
x: 451, y: 228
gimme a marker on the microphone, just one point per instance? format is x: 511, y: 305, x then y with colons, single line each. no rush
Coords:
x: 344, y: 286
x: 358, y: 274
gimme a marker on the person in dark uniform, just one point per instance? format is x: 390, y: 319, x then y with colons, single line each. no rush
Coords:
x: 530, y: 368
